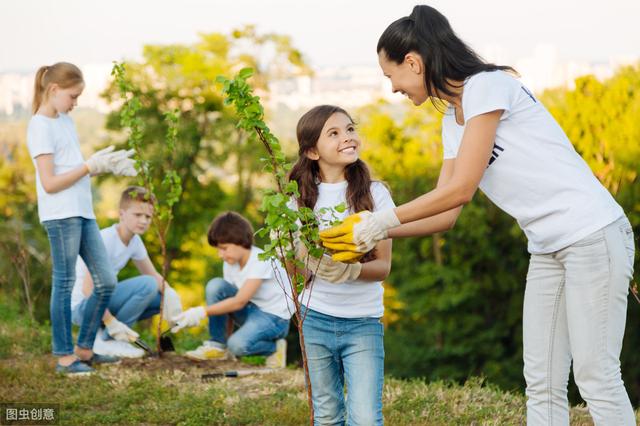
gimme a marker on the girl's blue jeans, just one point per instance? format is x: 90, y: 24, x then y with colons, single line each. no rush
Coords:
x: 69, y: 238
x: 345, y: 352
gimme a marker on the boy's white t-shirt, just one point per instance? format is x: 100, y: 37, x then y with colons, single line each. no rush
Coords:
x: 270, y: 296
x: 119, y: 256
x: 535, y: 175
x: 58, y: 136
x: 351, y: 299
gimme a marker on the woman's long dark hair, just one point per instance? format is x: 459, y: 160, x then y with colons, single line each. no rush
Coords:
x: 306, y: 172
x: 445, y: 56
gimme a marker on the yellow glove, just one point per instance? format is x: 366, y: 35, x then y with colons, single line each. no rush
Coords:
x: 358, y: 234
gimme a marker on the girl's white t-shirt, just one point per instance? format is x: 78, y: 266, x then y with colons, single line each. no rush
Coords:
x: 352, y: 299
x: 58, y: 136
x: 270, y: 296
x: 534, y: 174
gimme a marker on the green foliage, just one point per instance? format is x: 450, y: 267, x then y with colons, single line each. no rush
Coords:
x: 171, y: 182
x: 25, y: 274
x: 21, y: 336
x: 601, y: 120
x: 283, y: 223
x: 218, y: 166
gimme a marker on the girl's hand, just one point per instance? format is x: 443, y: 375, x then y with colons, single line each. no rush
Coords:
x: 98, y: 162
x: 117, y: 162
x: 358, y: 234
x: 334, y: 272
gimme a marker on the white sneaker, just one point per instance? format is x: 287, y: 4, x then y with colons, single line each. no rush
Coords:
x: 278, y: 359
x: 208, y: 350
x: 116, y: 348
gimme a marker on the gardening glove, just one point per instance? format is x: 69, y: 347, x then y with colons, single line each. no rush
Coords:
x: 358, y: 234
x: 98, y: 163
x: 334, y: 272
x: 172, y: 305
x: 116, y: 162
x: 189, y: 318
x: 121, y: 165
x: 120, y: 331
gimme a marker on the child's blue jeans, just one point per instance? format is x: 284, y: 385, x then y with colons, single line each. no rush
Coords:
x: 69, y: 238
x: 133, y: 299
x: 258, y: 330
x: 345, y: 351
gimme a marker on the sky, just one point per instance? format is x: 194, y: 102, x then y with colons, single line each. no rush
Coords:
x: 328, y: 32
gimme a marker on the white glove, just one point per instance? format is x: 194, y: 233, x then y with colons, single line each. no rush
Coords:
x: 334, y: 272
x: 122, y: 165
x: 116, y: 162
x: 358, y: 233
x: 189, y: 318
x: 97, y: 163
x: 120, y: 331
x: 172, y: 305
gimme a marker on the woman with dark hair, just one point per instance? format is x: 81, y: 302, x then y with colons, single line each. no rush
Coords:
x: 497, y: 136
x: 343, y: 335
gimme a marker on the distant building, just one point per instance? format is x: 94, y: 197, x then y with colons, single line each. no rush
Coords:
x: 349, y: 86
x: 16, y: 90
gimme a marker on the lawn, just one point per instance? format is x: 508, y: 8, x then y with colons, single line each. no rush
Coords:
x: 170, y: 390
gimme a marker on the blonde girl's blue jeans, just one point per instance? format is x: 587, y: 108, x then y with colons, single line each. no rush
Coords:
x: 70, y: 238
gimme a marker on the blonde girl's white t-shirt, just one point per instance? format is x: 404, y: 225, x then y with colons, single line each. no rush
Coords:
x: 351, y: 299
x: 534, y: 174
x: 270, y: 296
x: 58, y: 136
x: 119, y: 255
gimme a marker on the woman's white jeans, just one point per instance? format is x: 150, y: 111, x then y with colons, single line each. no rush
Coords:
x: 575, y: 307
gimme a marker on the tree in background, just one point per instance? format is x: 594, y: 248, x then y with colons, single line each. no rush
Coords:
x: 449, y: 323
x: 219, y: 169
x: 25, y: 273
x: 601, y: 119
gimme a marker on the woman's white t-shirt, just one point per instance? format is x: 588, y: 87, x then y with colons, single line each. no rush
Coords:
x: 58, y: 136
x: 352, y: 299
x: 270, y: 296
x: 535, y: 175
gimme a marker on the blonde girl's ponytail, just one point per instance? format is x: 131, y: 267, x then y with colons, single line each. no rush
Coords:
x: 38, y: 88
x: 63, y: 74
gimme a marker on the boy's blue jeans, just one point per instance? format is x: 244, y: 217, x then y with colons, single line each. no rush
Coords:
x: 258, y: 330
x: 69, y: 238
x: 133, y: 299
x: 345, y: 351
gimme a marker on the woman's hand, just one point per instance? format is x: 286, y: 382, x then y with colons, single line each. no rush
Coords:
x: 358, y: 234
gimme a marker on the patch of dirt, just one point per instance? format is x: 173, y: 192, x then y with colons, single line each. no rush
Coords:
x: 171, y: 361
x: 189, y: 372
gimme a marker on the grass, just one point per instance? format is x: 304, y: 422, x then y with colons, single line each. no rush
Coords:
x: 170, y: 392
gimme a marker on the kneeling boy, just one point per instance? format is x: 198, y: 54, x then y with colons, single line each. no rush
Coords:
x: 248, y: 292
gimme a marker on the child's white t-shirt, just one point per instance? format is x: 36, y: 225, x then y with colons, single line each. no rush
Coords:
x: 351, y: 299
x: 270, y: 296
x: 58, y: 136
x: 119, y: 256
x: 535, y: 175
